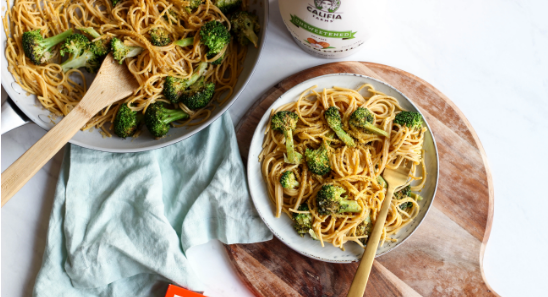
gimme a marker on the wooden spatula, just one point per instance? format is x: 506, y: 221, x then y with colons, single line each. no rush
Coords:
x: 112, y: 83
x: 395, y: 178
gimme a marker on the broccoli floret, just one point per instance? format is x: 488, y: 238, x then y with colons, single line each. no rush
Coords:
x: 157, y: 118
x: 120, y: 51
x: 75, y: 44
x: 288, y: 180
x: 174, y: 87
x: 363, y: 118
x: 406, y: 205
x: 411, y: 119
x: 171, y: 16
x: 403, y: 192
x: 127, y: 121
x: 219, y: 60
x: 89, y: 30
x: 363, y: 229
x: 37, y: 48
x: 81, y: 53
x: 406, y: 192
x: 159, y: 36
x: 286, y: 122
x: 329, y: 201
x: 318, y: 160
x: 185, y: 42
x: 198, y: 94
x: 303, y: 221
x: 215, y: 36
x: 334, y: 120
x: 102, y: 46
x: 246, y: 27
x: 228, y: 6
x: 193, y: 4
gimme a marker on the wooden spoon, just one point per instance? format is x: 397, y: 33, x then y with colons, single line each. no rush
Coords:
x: 112, y: 83
x: 395, y: 178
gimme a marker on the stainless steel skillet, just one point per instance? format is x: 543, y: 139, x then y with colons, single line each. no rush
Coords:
x: 21, y: 105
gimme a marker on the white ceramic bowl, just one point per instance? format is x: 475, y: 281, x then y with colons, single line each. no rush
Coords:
x: 283, y: 227
x: 30, y: 106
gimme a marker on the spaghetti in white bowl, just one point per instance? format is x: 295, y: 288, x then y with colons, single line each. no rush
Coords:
x: 354, y: 167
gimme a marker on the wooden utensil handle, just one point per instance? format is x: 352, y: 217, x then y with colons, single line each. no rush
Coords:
x: 42, y: 151
x: 357, y: 288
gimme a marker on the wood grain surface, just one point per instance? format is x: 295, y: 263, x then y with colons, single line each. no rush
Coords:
x: 442, y: 258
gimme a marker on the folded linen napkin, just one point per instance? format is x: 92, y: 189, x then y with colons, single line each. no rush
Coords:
x: 121, y: 223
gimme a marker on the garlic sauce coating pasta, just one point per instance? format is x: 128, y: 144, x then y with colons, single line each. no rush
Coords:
x: 355, y: 169
x: 129, y: 21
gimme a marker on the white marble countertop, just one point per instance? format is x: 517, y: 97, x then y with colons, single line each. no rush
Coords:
x: 490, y: 57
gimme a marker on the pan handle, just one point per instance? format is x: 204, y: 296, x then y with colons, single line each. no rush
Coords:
x: 12, y: 116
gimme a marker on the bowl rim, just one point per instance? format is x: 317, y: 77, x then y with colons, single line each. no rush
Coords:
x: 223, y: 109
x: 255, y: 134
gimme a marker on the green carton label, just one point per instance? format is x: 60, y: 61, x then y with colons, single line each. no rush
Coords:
x: 324, y: 33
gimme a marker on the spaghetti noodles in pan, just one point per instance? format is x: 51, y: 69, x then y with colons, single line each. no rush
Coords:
x: 332, y: 186
x: 132, y: 22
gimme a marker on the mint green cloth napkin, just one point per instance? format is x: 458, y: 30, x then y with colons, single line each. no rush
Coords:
x: 121, y: 223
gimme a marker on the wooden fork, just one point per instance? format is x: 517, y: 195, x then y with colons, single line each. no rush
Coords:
x: 395, y: 178
x: 112, y: 83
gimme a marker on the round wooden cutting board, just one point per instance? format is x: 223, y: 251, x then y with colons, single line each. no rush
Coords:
x: 443, y: 257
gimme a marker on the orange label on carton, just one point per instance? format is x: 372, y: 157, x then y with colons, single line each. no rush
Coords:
x: 174, y: 291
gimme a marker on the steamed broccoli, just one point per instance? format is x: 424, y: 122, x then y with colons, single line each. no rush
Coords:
x: 402, y: 193
x: 198, y: 94
x: 219, y: 60
x: 329, y: 201
x: 288, y: 180
x: 120, y: 51
x: 159, y: 36
x: 286, y: 122
x: 363, y: 118
x: 81, y: 53
x: 318, y: 160
x: 192, y: 4
x: 185, y: 42
x: 102, y: 45
x: 411, y: 119
x: 334, y: 120
x: 194, y: 92
x: 190, y: 41
x: 215, y: 36
x: 364, y: 229
x: 38, y: 49
x: 75, y: 44
x: 228, y: 6
x: 246, y: 27
x: 157, y: 118
x: 406, y: 192
x: 171, y: 16
x: 174, y: 87
x: 127, y: 121
x: 303, y: 221
x: 89, y: 30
